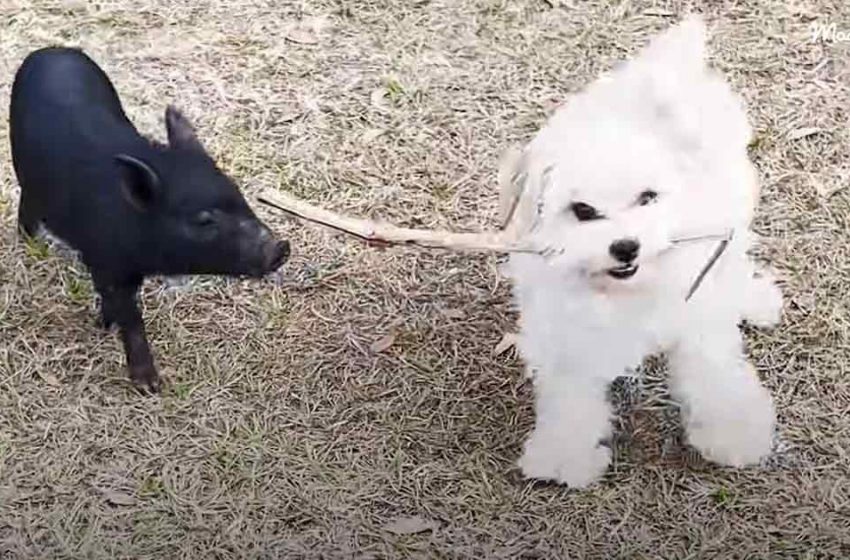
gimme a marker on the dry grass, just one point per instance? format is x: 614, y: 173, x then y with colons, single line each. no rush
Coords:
x: 283, y: 434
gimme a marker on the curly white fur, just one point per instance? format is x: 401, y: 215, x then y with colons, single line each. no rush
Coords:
x: 661, y: 124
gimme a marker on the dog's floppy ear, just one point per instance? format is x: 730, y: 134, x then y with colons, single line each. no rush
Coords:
x: 511, y: 183
x: 523, y: 175
x: 687, y: 103
x: 680, y: 50
x: 671, y: 74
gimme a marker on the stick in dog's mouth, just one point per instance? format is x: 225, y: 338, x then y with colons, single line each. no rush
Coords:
x: 387, y: 234
x: 726, y: 236
x: 715, y: 256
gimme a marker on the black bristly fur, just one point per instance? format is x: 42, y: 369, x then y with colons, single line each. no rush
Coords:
x: 131, y: 207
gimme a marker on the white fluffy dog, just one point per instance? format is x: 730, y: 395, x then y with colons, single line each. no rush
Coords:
x: 655, y: 151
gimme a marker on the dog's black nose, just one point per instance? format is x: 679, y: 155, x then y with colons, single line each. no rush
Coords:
x: 624, y: 250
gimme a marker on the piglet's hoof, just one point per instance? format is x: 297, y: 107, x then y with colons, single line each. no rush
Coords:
x: 106, y: 322
x: 146, y: 379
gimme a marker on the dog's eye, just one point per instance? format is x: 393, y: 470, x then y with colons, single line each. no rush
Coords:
x: 584, y: 212
x: 647, y: 197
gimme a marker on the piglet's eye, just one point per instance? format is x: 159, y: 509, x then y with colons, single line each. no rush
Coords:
x: 584, y: 212
x: 204, y: 219
x: 647, y: 197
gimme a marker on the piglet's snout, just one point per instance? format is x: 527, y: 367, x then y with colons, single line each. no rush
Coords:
x: 275, y: 254
x: 262, y: 248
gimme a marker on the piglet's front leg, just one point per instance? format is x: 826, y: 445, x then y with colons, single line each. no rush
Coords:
x: 119, y: 305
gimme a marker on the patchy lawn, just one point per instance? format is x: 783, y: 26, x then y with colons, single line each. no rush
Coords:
x: 284, y: 433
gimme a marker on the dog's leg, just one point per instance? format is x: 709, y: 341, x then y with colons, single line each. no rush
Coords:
x: 572, y: 417
x: 727, y: 413
x: 763, y: 304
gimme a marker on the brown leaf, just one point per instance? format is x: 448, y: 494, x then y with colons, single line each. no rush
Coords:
x: 826, y: 189
x: 410, y: 525
x: 118, y: 498
x: 51, y: 380
x: 370, y: 135
x: 288, y: 116
x: 302, y: 36
x: 799, y: 133
x: 508, y: 341
x: 382, y: 343
x: 378, y: 98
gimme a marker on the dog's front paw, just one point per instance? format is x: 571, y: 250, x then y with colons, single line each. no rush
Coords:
x: 551, y: 459
x: 737, y: 436
x: 764, y: 306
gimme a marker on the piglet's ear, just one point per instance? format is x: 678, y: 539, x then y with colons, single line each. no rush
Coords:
x: 140, y: 183
x: 181, y: 133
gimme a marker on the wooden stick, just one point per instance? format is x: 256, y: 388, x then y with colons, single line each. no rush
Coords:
x: 713, y: 259
x: 383, y: 234
x: 387, y: 234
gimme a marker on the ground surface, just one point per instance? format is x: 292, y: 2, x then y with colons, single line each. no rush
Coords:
x: 284, y: 433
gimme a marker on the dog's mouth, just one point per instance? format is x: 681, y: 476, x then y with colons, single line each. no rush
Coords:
x: 623, y: 271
